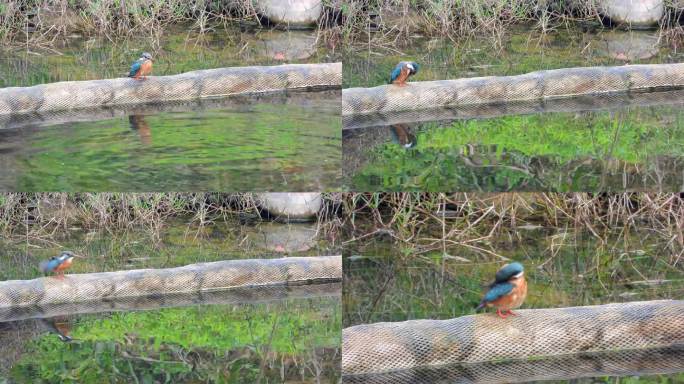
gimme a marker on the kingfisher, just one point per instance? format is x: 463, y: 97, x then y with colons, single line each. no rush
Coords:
x: 58, y: 263
x: 508, y: 291
x: 402, y: 72
x: 141, y: 67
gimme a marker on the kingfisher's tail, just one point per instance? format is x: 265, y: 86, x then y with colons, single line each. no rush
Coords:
x: 482, y: 305
x: 44, y: 267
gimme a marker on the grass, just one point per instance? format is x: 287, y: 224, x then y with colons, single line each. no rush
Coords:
x: 40, y: 23
x: 396, y: 21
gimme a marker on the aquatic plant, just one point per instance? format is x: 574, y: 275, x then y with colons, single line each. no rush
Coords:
x: 595, y: 151
x: 289, y: 340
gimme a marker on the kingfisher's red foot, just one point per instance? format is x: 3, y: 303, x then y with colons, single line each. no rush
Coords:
x: 500, y: 314
x: 511, y: 313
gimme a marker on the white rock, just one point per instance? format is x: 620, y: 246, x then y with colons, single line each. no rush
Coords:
x: 291, y: 206
x: 634, y: 12
x: 292, y: 12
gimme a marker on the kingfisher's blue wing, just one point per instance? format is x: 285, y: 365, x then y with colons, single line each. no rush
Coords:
x: 49, y: 265
x: 395, y: 73
x: 135, y: 68
x: 497, y: 291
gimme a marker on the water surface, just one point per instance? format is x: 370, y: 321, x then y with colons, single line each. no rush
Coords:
x: 287, y: 142
x: 275, y: 143
x: 179, y: 50
x: 625, y: 148
x: 522, y: 49
x: 174, y: 244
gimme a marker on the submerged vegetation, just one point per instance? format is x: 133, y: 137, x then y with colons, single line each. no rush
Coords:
x: 593, y: 151
x: 292, y: 340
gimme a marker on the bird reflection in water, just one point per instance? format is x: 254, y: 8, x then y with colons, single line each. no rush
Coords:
x: 58, y: 326
x: 403, y: 135
x: 139, y: 124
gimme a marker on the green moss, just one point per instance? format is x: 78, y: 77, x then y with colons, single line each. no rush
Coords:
x: 295, y: 328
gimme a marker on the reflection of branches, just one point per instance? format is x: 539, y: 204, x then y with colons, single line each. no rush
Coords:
x: 267, y: 348
x: 389, y: 278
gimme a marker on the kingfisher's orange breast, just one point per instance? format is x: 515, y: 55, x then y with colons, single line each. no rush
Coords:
x: 66, y: 264
x: 403, y: 75
x: 515, y: 298
x: 145, y: 68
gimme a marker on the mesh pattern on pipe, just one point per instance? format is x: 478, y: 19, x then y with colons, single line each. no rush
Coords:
x: 557, y: 83
x: 201, y: 277
x: 534, y: 333
x: 524, y: 107
x: 622, y: 363
x: 151, y: 302
x: 246, y: 102
x: 186, y: 86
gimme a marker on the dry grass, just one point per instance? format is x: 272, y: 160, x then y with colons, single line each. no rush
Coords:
x: 392, y: 23
x: 470, y: 220
x: 48, y: 214
x: 40, y: 22
x: 396, y: 21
